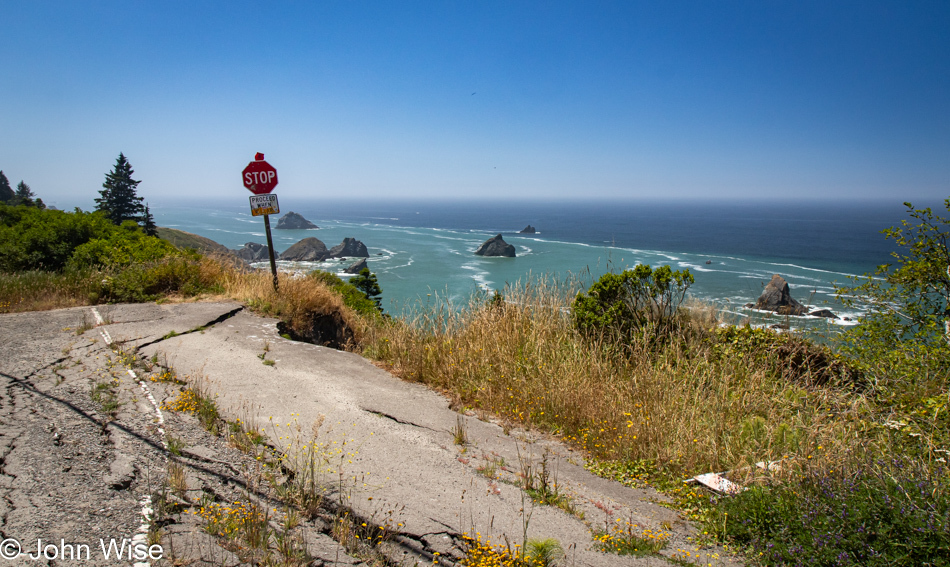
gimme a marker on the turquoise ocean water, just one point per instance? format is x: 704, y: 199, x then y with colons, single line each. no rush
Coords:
x: 418, y: 249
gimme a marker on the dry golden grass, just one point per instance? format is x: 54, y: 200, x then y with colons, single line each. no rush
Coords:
x: 684, y: 406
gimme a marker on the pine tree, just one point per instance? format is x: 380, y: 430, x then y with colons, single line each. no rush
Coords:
x: 6, y: 192
x: 367, y: 283
x: 24, y: 195
x: 148, y: 223
x: 119, y: 201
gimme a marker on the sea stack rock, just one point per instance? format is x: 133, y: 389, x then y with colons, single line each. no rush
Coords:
x: 253, y: 252
x: 496, y: 246
x: 527, y: 230
x: 292, y: 221
x: 307, y: 250
x: 777, y: 298
x: 349, y: 247
x: 356, y: 267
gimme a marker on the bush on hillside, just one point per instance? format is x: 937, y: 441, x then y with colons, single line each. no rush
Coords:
x: 641, y: 300
x: 126, y: 246
x: 183, y: 274
x: 353, y: 298
x: 38, y: 239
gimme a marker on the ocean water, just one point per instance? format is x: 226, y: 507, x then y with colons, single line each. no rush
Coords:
x: 421, y: 249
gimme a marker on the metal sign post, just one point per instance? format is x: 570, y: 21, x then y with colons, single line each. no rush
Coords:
x: 260, y: 178
x: 270, y: 250
x: 266, y: 205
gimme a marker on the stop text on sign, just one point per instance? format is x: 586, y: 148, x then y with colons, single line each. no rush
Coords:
x: 259, y: 177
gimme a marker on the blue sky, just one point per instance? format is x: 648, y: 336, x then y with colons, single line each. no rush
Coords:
x: 487, y: 100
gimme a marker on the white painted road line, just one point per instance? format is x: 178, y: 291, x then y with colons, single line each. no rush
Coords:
x: 141, y: 535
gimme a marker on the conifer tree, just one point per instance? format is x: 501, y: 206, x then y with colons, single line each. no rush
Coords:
x: 148, y: 222
x: 6, y: 192
x: 24, y: 195
x: 119, y: 201
x: 367, y: 283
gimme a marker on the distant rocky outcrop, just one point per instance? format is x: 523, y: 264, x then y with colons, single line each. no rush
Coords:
x: 307, y: 250
x: 777, y: 298
x: 496, y: 246
x: 356, y: 267
x: 183, y: 239
x: 253, y: 252
x: 293, y: 221
x: 204, y: 245
x: 349, y: 247
x: 527, y: 230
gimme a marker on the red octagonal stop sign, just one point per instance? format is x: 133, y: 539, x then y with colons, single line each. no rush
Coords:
x: 259, y: 176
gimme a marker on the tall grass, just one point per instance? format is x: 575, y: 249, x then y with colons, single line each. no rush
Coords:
x: 168, y: 278
x: 685, y: 404
x: 38, y: 290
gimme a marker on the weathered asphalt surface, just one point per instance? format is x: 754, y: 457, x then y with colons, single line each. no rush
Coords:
x: 390, y: 445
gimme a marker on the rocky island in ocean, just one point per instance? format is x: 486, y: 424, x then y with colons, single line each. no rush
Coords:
x: 496, y: 246
x: 348, y: 248
x: 307, y: 250
x: 293, y: 221
x: 776, y: 297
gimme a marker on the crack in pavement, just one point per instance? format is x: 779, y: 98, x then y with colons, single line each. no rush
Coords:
x: 396, y: 419
x: 220, y: 319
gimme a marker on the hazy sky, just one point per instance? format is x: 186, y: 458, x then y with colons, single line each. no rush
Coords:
x: 488, y: 100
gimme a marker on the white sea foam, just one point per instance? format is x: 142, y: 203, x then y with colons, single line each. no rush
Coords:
x: 695, y: 267
x: 406, y: 265
x: 797, y: 267
x: 458, y: 238
x: 480, y: 276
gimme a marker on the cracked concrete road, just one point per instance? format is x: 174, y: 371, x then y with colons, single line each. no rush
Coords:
x: 390, y: 445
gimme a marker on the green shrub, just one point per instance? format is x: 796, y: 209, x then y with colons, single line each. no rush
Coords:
x: 37, y: 239
x: 637, y: 300
x: 180, y: 273
x: 126, y: 246
x: 352, y: 297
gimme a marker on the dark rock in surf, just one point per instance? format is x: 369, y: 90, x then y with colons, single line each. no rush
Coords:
x: 355, y: 267
x: 307, y: 250
x: 823, y: 313
x: 293, y: 221
x: 527, y: 230
x: 349, y: 247
x: 777, y: 298
x: 253, y: 252
x: 496, y: 246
